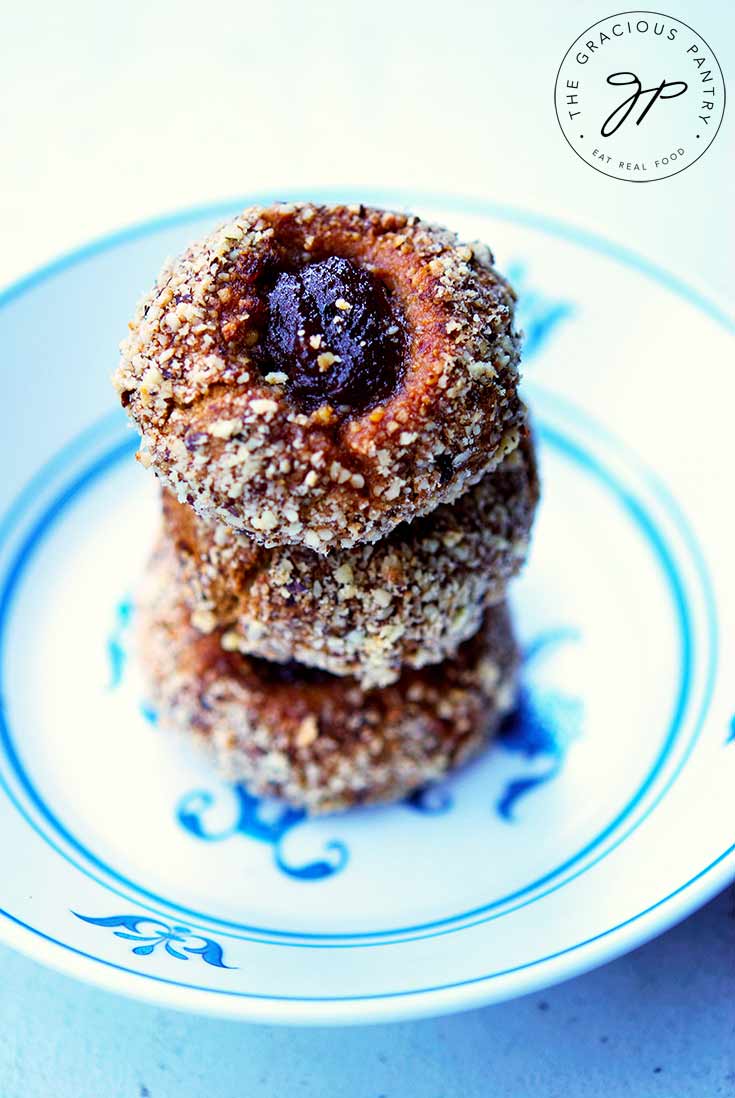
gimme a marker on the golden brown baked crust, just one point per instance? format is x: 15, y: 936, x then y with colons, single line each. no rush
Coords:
x: 411, y: 599
x: 229, y: 440
x: 314, y: 740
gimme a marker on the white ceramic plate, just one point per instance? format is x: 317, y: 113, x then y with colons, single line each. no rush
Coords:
x: 603, y: 815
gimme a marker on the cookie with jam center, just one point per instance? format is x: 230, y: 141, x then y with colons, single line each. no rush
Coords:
x: 317, y: 741
x: 317, y: 375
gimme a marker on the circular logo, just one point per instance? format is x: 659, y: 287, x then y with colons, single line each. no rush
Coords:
x: 639, y: 96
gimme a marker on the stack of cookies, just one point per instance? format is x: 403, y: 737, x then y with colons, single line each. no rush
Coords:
x: 329, y: 396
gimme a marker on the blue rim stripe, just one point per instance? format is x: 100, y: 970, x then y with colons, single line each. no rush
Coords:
x: 96, y: 431
x: 229, y: 993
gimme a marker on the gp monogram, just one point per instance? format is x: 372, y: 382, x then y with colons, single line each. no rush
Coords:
x: 639, y: 96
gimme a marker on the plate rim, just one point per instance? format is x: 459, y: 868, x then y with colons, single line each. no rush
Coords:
x: 466, y: 995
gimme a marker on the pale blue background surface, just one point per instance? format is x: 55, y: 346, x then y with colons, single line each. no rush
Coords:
x: 660, y: 1021
x: 459, y: 97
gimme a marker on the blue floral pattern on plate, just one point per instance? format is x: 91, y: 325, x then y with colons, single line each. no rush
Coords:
x: 117, y: 640
x: 538, y: 313
x: 177, y: 941
x: 262, y: 820
x: 543, y: 724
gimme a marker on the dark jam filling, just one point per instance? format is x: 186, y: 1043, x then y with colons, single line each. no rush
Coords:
x: 333, y: 329
x: 289, y: 674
